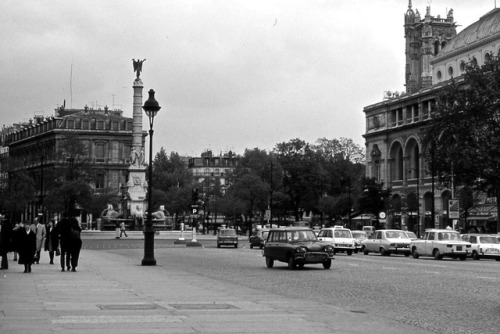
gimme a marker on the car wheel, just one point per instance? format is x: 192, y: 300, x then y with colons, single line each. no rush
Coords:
x: 415, y: 253
x: 475, y: 255
x: 383, y: 252
x: 463, y: 258
x: 437, y: 254
x: 365, y: 251
x: 356, y: 251
x: 236, y: 246
x: 251, y: 246
x: 300, y: 265
x: 291, y: 263
x: 269, y: 262
x: 498, y: 259
x: 327, y: 264
x: 261, y: 246
x: 407, y: 254
x: 218, y: 245
x: 349, y: 252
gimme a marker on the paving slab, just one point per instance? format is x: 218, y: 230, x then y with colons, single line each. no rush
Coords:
x: 111, y: 293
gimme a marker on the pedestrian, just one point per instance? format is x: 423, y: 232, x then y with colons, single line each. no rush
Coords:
x: 26, y: 246
x: 122, y: 230
x: 52, y: 241
x: 41, y: 234
x: 75, y: 244
x: 5, y: 242
x: 15, y: 235
x: 63, y: 233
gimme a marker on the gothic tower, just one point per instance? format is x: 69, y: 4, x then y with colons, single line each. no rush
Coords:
x: 424, y: 39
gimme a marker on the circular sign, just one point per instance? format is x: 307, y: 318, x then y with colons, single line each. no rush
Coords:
x: 381, y: 215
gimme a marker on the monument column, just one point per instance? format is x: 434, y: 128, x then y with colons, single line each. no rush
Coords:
x: 137, y: 184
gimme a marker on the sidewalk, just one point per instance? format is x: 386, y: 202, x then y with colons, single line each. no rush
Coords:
x: 187, y: 235
x: 111, y: 293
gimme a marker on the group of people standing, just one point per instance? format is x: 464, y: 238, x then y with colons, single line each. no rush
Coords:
x: 26, y: 240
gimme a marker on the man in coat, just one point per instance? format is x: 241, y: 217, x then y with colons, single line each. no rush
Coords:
x: 41, y: 234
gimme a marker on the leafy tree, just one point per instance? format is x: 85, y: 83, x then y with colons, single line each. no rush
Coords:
x: 169, y: 171
x: 300, y: 173
x: 464, y: 132
x: 373, y: 197
x: 20, y: 190
x: 73, y: 184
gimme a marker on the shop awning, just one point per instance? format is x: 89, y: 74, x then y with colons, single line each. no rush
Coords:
x: 364, y: 216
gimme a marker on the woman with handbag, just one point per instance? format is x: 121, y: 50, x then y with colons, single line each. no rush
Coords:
x: 52, y: 241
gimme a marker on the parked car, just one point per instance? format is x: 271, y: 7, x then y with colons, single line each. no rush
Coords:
x: 439, y: 243
x: 340, y: 238
x: 258, y: 238
x: 369, y: 230
x: 387, y: 242
x: 296, y: 246
x: 358, y: 236
x: 483, y: 246
x: 227, y: 237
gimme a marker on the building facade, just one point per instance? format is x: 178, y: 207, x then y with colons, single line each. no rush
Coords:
x: 106, y: 135
x: 213, y: 167
x: 395, y: 151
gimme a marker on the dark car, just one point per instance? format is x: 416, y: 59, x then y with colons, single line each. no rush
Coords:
x: 227, y: 237
x: 296, y: 246
x: 258, y: 238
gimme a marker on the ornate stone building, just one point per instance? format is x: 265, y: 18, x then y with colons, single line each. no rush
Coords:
x: 395, y: 152
x: 106, y: 134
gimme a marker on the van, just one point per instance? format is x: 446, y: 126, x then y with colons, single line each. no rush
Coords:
x: 369, y: 230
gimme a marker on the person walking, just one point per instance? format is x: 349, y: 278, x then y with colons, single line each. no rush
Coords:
x: 62, y: 231
x: 5, y: 242
x: 52, y: 241
x: 26, y: 246
x: 122, y: 230
x: 41, y: 234
x: 75, y: 242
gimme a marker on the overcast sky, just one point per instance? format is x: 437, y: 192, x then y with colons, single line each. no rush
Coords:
x: 228, y: 74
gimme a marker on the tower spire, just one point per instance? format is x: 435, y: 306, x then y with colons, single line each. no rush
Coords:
x: 409, y: 4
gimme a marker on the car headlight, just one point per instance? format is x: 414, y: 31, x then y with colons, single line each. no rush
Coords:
x: 301, y: 250
x: 329, y: 249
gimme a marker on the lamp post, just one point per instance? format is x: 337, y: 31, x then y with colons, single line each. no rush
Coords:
x: 271, y: 198
x: 418, y: 199
x: 151, y: 108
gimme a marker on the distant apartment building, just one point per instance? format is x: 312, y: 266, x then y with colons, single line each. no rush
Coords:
x: 213, y: 167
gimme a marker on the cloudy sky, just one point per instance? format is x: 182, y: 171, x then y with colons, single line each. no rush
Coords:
x: 228, y: 74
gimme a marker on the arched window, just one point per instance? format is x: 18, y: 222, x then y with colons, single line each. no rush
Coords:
x: 487, y: 57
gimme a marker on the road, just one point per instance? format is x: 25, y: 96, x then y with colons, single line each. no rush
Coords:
x: 447, y: 296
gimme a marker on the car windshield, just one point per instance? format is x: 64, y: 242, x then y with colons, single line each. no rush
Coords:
x: 489, y: 240
x: 411, y: 235
x: 342, y: 234
x: 396, y: 234
x: 299, y: 236
x: 264, y: 235
x: 227, y: 232
x: 449, y: 236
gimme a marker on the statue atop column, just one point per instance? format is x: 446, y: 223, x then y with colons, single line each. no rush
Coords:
x: 138, y: 66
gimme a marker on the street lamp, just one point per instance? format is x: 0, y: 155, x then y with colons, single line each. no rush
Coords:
x: 418, y: 199
x: 151, y: 108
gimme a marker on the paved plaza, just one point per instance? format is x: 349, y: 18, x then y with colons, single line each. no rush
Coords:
x: 112, y: 293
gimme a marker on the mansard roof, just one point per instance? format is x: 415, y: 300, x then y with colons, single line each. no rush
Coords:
x: 478, y: 33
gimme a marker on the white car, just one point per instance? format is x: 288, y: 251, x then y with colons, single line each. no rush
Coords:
x: 358, y: 236
x: 387, y: 242
x: 483, y: 246
x: 340, y: 238
x: 439, y: 243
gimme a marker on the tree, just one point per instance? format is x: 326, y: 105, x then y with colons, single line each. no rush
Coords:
x: 20, y: 190
x: 169, y: 171
x: 301, y: 170
x: 72, y: 187
x: 464, y: 131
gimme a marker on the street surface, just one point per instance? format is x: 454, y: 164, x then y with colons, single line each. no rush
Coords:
x: 447, y: 296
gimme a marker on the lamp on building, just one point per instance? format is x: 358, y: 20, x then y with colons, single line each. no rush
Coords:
x: 151, y: 108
